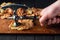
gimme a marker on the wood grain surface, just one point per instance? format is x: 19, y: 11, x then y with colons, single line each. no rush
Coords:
x: 37, y: 29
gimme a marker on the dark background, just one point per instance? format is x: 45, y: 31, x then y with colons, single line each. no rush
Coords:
x: 35, y: 3
x: 30, y: 3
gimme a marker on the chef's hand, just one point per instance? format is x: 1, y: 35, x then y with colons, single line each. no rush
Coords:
x: 49, y: 13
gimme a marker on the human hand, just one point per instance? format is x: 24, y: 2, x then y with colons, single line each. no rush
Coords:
x: 49, y: 13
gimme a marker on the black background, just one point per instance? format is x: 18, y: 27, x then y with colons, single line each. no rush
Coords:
x: 30, y: 3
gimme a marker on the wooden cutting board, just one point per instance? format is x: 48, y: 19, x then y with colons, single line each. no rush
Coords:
x: 37, y: 29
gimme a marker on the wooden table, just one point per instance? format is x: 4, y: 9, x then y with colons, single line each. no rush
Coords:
x: 35, y: 30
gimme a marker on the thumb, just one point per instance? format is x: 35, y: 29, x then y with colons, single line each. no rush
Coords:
x: 43, y: 19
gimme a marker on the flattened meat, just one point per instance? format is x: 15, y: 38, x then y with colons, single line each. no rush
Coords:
x: 20, y: 11
x: 26, y: 24
x: 7, y: 13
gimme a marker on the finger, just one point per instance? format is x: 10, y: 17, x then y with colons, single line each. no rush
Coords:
x: 49, y: 21
x: 43, y: 19
x: 58, y: 20
x: 54, y: 20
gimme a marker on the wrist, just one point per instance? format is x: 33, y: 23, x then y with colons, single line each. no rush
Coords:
x: 58, y: 0
x: 57, y: 4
